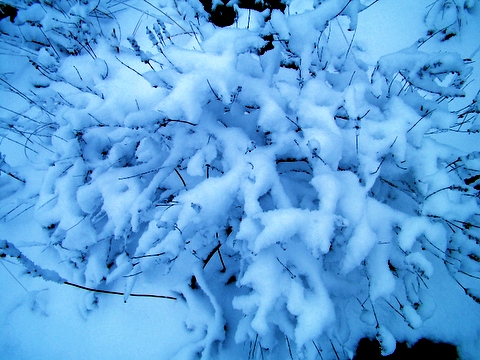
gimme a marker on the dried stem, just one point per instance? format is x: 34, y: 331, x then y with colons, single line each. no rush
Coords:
x: 118, y: 292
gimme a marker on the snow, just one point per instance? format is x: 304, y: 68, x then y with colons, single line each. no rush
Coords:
x: 414, y: 320
x: 386, y: 340
x: 420, y: 264
x: 359, y: 246
x: 277, y: 188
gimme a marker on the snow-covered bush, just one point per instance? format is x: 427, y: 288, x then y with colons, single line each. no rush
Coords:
x: 288, y: 192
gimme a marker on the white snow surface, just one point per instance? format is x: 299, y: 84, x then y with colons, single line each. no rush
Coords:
x: 171, y: 189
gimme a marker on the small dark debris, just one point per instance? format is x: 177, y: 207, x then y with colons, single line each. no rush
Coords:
x: 471, y: 180
x: 448, y: 36
x: 51, y: 226
x: 193, y: 283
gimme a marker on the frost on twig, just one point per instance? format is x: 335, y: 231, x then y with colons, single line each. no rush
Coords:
x: 8, y: 249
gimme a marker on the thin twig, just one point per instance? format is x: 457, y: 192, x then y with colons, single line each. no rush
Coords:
x: 318, y: 350
x: 129, y: 67
x: 370, y: 5
x: 340, y: 12
x: 286, y: 268
x: 13, y: 176
x: 181, y: 178
x: 398, y: 312
x: 334, y: 350
x: 165, y: 14
x: 139, y: 174
x: 379, y: 165
x: 147, y: 255
x: 17, y: 215
x: 19, y: 283
x: 17, y: 113
x: 289, y: 348
x: 214, y: 92
x: 118, y: 292
x: 166, y: 121
x: 423, y: 117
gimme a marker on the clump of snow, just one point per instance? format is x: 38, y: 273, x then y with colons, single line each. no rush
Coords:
x: 359, y: 246
x: 386, y: 340
x: 420, y: 264
x: 412, y: 317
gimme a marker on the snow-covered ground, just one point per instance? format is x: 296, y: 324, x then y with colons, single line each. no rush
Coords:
x: 286, y: 201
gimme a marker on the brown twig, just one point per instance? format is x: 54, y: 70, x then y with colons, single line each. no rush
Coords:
x: 181, y: 178
x: 118, y: 292
x: 210, y: 255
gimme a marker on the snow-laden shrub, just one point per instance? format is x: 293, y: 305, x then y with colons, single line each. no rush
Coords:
x: 260, y: 172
